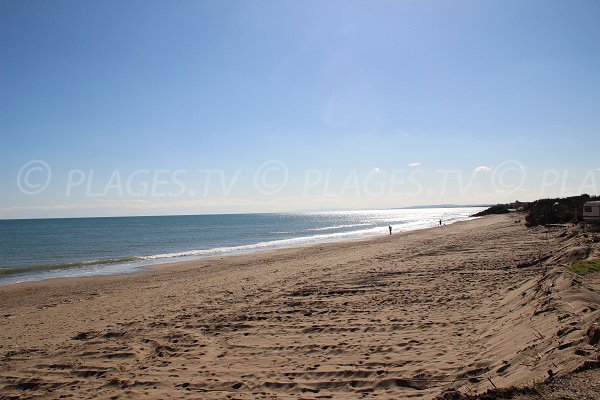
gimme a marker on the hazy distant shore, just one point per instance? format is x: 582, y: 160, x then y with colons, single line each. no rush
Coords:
x: 467, y: 306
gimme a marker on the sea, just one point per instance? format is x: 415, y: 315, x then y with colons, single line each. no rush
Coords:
x: 37, y: 249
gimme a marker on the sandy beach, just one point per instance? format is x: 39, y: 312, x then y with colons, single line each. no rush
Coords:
x: 467, y: 306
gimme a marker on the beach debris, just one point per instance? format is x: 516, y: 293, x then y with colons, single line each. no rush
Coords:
x: 82, y: 336
x: 539, y: 335
x: 593, y: 333
x: 490, y: 379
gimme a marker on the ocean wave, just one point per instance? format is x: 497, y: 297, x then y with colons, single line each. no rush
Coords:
x: 308, y: 236
x: 325, y: 228
x: 273, y: 244
x: 299, y: 241
x: 329, y: 228
x: 66, y: 265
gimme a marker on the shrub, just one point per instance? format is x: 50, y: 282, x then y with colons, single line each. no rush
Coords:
x: 497, y: 209
x: 556, y: 211
x: 586, y: 267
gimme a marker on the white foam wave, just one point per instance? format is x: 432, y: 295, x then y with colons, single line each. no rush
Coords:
x: 298, y: 241
x: 329, y: 228
x: 274, y: 244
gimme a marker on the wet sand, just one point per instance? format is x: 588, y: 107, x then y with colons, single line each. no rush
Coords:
x: 468, y: 306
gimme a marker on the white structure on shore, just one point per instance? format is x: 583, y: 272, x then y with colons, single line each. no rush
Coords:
x: 591, y: 211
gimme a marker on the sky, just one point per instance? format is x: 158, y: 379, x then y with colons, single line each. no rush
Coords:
x: 194, y: 107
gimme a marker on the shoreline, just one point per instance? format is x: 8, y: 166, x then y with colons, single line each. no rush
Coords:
x: 193, y: 263
x: 148, y: 262
x: 412, y: 314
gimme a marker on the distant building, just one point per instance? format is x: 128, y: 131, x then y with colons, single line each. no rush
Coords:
x: 591, y: 211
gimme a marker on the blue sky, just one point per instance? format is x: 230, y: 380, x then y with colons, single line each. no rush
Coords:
x: 350, y: 104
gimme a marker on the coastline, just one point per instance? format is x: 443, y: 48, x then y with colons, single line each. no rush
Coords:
x: 91, y: 254
x: 411, y: 314
x: 205, y: 261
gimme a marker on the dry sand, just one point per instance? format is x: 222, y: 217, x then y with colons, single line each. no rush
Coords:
x: 465, y: 307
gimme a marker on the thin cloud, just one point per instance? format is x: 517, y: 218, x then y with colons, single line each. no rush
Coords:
x: 414, y: 164
x: 483, y: 168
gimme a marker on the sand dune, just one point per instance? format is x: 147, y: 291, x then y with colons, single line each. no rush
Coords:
x: 467, y: 307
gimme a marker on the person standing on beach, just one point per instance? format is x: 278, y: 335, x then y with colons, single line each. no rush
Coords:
x: 440, y: 222
x: 390, y: 228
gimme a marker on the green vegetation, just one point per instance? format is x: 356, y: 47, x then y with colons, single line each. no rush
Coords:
x: 545, y: 211
x: 501, y: 209
x: 556, y: 211
x: 586, y: 267
x: 497, y: 209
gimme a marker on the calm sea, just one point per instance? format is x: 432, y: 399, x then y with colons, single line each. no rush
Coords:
x: 38, y: 249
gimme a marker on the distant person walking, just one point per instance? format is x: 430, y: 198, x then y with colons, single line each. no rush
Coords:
x: 390, y: 228
x: 440, y: 222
